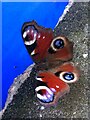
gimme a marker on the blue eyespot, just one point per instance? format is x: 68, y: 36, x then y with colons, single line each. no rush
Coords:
x: 59, y: 43
x: 68, y: 76
x: 29, y: 27
x: 48, y: 100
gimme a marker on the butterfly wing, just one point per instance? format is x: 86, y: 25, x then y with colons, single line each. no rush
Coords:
x: 42, y: 45
x: 52, y: 89
x: 68, y: 73
x: 60, y: 49
x: 37, y: 40
x: 55, y: 84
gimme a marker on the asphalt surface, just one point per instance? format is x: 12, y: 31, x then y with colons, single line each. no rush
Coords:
x: 75, y: 25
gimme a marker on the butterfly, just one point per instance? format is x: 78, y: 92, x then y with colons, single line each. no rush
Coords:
x: 44, y: 47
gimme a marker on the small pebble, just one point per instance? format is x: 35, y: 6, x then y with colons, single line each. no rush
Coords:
x: 40, y: 115
x: 42, y: 108
x: 85, y: 55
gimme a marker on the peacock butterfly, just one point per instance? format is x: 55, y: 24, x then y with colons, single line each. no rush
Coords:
x: 45, y: 48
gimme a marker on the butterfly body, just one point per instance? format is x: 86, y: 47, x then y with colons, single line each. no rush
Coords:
x: 46, y: 49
